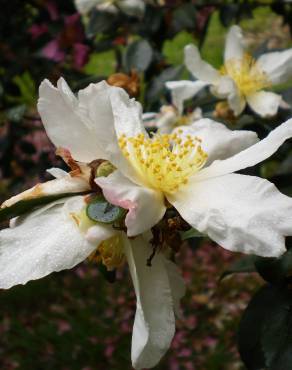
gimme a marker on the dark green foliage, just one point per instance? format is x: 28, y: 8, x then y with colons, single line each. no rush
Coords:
x: 244, y: 264
x: 157, y: 85
x: 184, y: 18
x: 265, y: 333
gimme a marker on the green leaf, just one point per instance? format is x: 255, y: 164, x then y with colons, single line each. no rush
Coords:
x: 157, y: 85
x: 192, y: 233
x: 228, y: 13
x: 275, y: 270
x: 184, y: 18
x: 243, y: 265
x: 250, y: 330
x: 100, y: 22
x: 27, y: 88
x: 265, y: 334
x: 138, y: 55
x: 100, y: 210
x: 16, y: 114
x: 27, y: 205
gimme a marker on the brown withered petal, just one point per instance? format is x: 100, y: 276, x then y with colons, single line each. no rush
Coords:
x: 131, y: 83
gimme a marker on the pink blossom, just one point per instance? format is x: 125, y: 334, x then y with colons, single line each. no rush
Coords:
x: 52, y: 51
x: 52, y: 9
x: 80, y: 54
x: 36, y: 30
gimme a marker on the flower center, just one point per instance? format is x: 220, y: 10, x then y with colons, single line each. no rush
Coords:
x: 110, y: 252
x: 246, y: 73
x: 164, y: 162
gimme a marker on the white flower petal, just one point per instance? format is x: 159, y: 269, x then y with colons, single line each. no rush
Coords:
x: 236, y: 102
x: 44, y: 241
x: 63, y: 122
x: 217, y: 140
x: 226, y: 88
x: 127, y: 114
x: 241, y: 213
x: 127, y: 121
x: 107, y: 7
x: 183, y: 90
x: 154, y: 324
x: 134, y: 8
x: 56, y: 172
x: 264, y: 103
x: 199, y: 68
x: 146, y: 206
x: 250, y: 156
x: 65, y: 184
x: 177, y: 284
x: 95, y: 105
x: 277, y: 65
x: 166, y: 119
x: 234, y: 45
x: 84, y: 6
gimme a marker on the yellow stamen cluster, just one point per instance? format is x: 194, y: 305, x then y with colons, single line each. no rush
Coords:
x: 247, y: 74
x: 164, y: 162
x: 110, y: 252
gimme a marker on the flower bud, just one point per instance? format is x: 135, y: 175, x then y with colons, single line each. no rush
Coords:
x: 105, y: 169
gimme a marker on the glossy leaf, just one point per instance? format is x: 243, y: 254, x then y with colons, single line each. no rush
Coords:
x: 157, y: 85
x: 275, y: 270
x: 138, y: 56
x: 28, y: 205
x: 265, y: 334
x: 243, y: 265
x: 192, y: 233
x: 100, y: 210
x: 184, y: 18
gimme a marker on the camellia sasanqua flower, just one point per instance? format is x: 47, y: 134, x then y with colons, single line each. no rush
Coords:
x: 135, y: 8
x: 143, y: 179
x: 171, y: 116
x: 242, y: 79
x: 63, y: 228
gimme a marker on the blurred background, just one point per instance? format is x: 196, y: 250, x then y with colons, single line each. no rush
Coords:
x: 75, y: 319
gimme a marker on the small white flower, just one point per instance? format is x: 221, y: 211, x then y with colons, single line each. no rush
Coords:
x: 171, y: 116
x: 134, y: 8
x: 242, y: 80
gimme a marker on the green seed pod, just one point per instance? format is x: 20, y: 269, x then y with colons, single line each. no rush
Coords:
x: 105, y: 169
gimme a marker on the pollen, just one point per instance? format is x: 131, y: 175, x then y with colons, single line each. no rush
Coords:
x: 247, y: 74
x: 110, y: 253
x: 164, y: 162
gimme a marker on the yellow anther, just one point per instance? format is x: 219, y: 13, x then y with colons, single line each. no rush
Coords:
x: 247, y: 74
x: 164, y: 162
x: 110, y: 252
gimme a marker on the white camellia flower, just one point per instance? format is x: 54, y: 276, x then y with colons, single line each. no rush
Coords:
x: 169, y: 118
x: 135, y: 8
x: 241, y: 213
x: 172, y: 116
x: 59, y: 235
x: 241, y: 80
